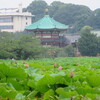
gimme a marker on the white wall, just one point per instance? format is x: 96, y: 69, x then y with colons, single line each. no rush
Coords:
x: 19, y: 21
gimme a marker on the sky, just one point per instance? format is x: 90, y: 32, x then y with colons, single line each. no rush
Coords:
x: 92, y: 4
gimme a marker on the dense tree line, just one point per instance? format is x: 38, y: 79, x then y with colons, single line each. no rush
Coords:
x: 76, y: 16
x: 27, y: 46
x: 24, y: 46
x: 19, y: 46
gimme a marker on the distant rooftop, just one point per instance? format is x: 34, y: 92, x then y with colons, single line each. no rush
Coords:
x: 72, y: 38
x: 17, y: 14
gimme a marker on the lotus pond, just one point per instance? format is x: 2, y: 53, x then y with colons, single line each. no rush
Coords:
x: 69, y: 78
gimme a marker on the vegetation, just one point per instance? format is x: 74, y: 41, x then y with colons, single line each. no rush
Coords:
x: 94, y: 19
x: 19, y: 46
x: 76, y: 16
x: 37, y: 8
x: 27, y: 46
x: 50, y: 79
x: 88, y: 43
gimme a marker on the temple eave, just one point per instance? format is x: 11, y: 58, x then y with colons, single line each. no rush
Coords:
x: 45, y: 29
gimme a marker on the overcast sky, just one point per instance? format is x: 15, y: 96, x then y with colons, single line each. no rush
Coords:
x: 92, y: 4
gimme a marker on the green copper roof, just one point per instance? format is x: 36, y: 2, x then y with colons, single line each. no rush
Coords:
x: 46, y: 23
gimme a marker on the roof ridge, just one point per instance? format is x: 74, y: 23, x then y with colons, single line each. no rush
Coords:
x: 51, y: 21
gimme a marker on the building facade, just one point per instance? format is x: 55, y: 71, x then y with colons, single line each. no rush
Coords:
x: 49, y: 31
x: 14, y: 21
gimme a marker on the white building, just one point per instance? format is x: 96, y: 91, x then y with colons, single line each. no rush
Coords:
x: 14, y: 21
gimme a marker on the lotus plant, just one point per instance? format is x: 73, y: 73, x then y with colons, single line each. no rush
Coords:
x: 60, y: 67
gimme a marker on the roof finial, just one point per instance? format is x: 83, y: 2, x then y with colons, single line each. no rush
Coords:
x: 46, y: 11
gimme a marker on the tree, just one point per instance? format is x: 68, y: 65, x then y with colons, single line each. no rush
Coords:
x: 94, y: 19
x: 7, y: 44
x: 98, y: 44
x: 73, y: 15
x: 19, y: 46
x: 54, y: 7
x: 37, y: 8
x: 69, y: 50
x: 76, y: 16
x: 88, y: 42
x: 28, y: 47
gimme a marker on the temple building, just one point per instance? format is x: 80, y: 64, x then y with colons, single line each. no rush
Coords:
x: 49, y: 31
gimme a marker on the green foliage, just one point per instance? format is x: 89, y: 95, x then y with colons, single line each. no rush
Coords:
x: 88, y: 43
x: 37, y: 8
x: 83, y: 91
x: 85, y: 29
x: 32, y: 95
x: 49, y: 95
x: 65, y: 94
x: 7, y: 93
x: 54, y: 7
x: 93, y: 80
x: 80, y: 13
x: 10, y: 72
x: 40, y: 82
x: 93, y: 20
x: 53, y: 52
x: 64, y: 13
x: 98, y: 39
x: 28, y: 47
x: 19, y: 46
x: 69, y: 50
x: 7, y: 44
